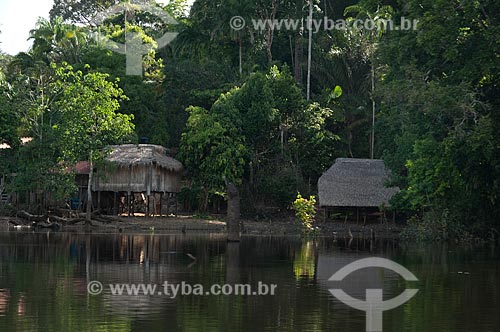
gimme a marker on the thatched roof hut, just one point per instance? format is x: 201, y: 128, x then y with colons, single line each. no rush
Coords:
x: 355, y: 183
x: 139, y: 168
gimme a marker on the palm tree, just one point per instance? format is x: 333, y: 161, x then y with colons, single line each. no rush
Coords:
x: 369, y: 42
x: 56, y: 41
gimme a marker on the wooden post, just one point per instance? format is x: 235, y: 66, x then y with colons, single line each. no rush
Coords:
x: 129, y: 203
x: 147, y: 206
x: 176, y: 204
x: 161, y: 205
x: 168, y: 204
x: 99, y: 200
x: 115, y: 203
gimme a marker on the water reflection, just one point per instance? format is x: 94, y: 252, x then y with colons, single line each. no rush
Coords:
x: 304, y: 262
x: 43, y: 281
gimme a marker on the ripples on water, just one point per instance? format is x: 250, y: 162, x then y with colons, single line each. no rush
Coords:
x: 43, y: 284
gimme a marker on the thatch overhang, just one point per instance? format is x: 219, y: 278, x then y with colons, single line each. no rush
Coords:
x: 131, y: 155
x: 355, y: 183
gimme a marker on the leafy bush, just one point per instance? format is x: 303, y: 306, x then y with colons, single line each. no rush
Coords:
x: 435, y: 226
x: 305, y: 211
x: 190, y: 198
x: 277, y: 185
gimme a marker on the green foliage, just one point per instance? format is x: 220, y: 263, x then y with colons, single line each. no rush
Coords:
x: 212, y: 151
x: 279, y: 184
x: 38, y: 171
x: 262, y: 135
x: 71, y: 117
x: 439, y: 94
x: 89, y: 121
x: 8, y: 120
x: 79, y: 11
x: 305, y: 210
x: 56, y: 41
x: 436, y: 226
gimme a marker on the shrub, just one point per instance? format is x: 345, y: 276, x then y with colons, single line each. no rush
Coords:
x: 305, y: 211
x: 435, y: 226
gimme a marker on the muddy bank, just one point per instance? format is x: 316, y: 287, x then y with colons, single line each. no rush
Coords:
x: 214, y: 224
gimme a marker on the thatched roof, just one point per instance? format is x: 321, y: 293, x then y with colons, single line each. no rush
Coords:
x: 355, y: 183
x: 142, y: 155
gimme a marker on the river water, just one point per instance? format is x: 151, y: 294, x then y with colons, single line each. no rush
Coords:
x: 44, y: 284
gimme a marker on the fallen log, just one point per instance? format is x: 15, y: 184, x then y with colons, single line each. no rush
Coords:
x: 31, y: 217
x: 53, y: 225
x: 76, y: 221
x: 54, y: 222
x: 15, y: 223
x: 73, y: 221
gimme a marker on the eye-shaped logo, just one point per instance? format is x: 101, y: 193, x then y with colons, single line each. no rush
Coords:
x: 134, y: 48
x: 374, y: 305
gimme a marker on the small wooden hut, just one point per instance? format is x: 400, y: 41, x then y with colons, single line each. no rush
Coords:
x: 355, y: 184
x: 132, y: 171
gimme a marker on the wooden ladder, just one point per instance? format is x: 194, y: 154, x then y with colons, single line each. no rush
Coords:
x: 4, y: 198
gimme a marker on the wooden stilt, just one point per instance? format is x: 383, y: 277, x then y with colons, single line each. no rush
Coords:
x: 147, y: 206
x: 115, y: 203
x: 129, y: 203
x: 168, y: 204
x: 176, y: 205
x: 161, y: 205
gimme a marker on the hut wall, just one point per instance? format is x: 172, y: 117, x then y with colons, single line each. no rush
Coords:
x: 143, y: 178
x: 166, y: 181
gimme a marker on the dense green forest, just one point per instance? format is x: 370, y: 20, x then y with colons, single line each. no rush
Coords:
x: 234, y: 103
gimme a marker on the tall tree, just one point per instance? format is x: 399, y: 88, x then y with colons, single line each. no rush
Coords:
x: 79, y: 11
x: 439, y: 108
x: 370, y: 41
x: 90, y: 122
x: 57, y: 41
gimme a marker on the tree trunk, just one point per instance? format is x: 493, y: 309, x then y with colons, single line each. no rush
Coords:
x: 241, y: 54
x: 233, y: 263
x: 204, y: 203
x: 269, y: 43
x: 297, y: 65
x: 372, y: 150
x: 89, y: 190
x: 270, y: 31
x: 309, y: 55
x: 233, y: 213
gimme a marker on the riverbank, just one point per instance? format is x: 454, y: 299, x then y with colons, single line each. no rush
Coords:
x: 216, y: 224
